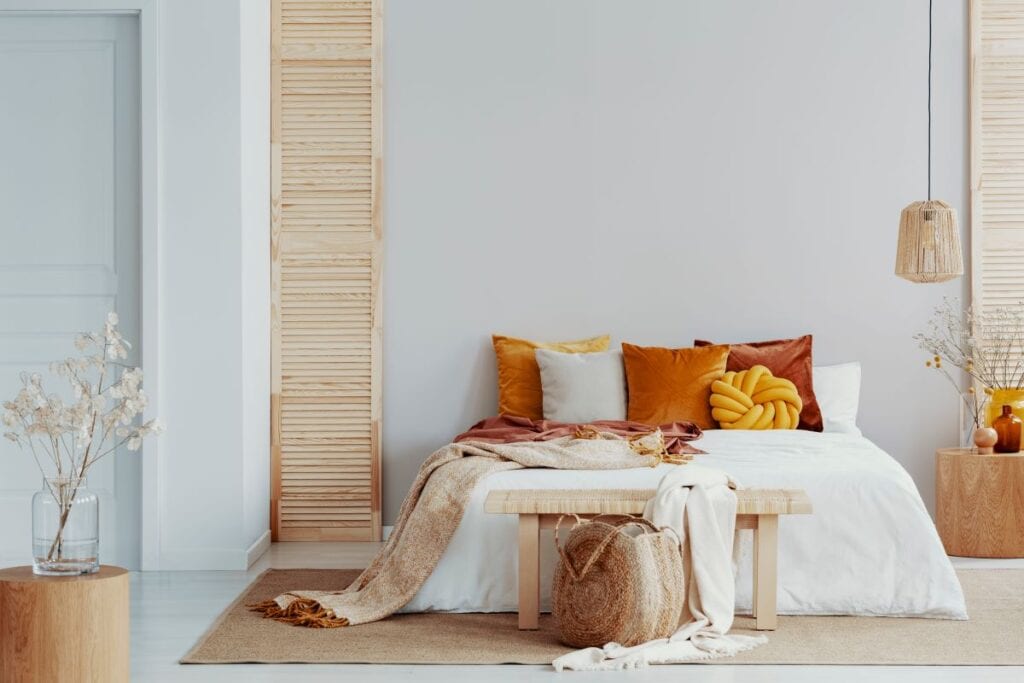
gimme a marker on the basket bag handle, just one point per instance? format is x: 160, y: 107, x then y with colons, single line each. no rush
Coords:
x: 617, y: 529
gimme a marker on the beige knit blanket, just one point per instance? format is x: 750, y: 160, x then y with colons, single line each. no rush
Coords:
x: 429, y: 517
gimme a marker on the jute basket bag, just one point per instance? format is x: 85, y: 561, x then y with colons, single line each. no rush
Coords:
x: 611, y: 585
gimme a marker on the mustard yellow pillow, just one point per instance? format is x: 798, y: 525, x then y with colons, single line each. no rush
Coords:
x: 672, y: 385
x: 519, y: 388
x: 754, y: 399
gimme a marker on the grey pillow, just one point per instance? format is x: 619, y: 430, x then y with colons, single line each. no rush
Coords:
x: 582, y: 387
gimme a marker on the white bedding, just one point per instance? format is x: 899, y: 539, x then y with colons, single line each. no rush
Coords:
x: 870, y: 547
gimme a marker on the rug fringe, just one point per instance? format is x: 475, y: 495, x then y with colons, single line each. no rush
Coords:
x: 300, y: 612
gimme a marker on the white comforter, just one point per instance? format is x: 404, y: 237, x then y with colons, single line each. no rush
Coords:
x: 870, y: 547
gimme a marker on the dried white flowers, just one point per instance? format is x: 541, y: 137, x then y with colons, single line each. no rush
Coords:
x: 987, y: 345
x: 66, y: 437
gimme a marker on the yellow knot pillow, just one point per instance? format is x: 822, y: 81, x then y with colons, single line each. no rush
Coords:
x: 754, y: 399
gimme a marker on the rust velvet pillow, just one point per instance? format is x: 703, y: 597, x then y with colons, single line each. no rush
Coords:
x: 789, y: 358
x: 519, y: 387
x: 672, y: 385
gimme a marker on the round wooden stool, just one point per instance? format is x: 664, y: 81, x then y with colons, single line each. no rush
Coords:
x: 57, y: 628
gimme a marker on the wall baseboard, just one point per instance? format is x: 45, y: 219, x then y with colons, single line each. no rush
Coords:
x: 185, y: 559
x: 256, y: 550
x: 386, y: 531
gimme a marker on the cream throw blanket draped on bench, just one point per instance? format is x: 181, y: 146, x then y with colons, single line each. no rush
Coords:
x: 429, y: 517
x: 699, y: 505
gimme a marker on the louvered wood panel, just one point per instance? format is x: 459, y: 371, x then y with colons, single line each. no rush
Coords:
x: 997, y: 154
x: 326, y: 250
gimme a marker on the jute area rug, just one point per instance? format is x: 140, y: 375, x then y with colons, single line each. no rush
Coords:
x: 994, y: 635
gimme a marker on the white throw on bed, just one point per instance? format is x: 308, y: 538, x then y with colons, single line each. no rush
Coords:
x: 870, y: 547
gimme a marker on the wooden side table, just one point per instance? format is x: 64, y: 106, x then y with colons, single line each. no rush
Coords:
x: 979, y: 502
x: 69, y: 629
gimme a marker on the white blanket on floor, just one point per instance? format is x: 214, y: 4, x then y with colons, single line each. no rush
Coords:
x: 699, y: 505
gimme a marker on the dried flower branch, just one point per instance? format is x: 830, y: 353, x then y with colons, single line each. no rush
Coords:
x: 66, y: 438
x: 987, y: 345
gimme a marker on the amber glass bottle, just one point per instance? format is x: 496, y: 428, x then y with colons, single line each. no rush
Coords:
x: 1007, y: 427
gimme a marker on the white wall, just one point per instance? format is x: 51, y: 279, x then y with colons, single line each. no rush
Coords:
x: 254, y: 104
x: 214, y: 258
x: 662, y: 170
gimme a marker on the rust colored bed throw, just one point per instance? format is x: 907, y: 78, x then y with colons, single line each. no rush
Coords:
x: 437, y: 500
x: 510, y: 429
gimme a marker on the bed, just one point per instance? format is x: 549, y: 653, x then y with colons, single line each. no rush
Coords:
x: 870, y: 547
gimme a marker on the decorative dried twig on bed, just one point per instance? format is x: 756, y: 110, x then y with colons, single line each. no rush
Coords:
x: 650, y: 443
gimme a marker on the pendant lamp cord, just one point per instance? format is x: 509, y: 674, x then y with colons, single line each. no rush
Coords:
x: 929, y: 100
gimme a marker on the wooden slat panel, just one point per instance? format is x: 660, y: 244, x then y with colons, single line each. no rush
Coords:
x: 326, y: 246
x: 997, y: 155
x: 329, y: 534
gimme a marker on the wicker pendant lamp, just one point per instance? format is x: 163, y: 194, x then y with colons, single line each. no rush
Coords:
x: 929, y: 243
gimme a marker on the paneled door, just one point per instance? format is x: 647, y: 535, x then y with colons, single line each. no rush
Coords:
x: 325, y: 274
x: 69, y: 233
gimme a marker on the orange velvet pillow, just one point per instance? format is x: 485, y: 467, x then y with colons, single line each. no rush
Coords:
x: 789, y: 358
x: 519, y: 388
x: 672, y: 385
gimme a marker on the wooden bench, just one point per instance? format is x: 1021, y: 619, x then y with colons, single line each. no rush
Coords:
x: 757, y: 509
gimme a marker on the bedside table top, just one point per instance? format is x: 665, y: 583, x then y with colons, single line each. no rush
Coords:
x: 973, y: 452
x: 24, y: 575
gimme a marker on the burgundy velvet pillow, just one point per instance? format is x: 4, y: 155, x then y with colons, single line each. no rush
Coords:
x: 789, y: 358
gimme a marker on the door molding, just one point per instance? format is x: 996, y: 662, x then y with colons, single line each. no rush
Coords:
x: 148, y: 12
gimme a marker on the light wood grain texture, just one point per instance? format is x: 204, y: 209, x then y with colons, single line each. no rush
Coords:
x: 529, y: 571
x: 979, y: 502
x: 997, y: 156
x: 326, y: 239
x: 756, y: 509
x: 632, y: 501
x: 66, y: 629
x: 766, y: 545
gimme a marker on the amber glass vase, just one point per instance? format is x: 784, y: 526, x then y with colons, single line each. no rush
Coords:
x: 1005, y: 397
x: 1007, y: 428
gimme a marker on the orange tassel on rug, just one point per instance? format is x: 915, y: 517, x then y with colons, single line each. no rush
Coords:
x: 301, y: 612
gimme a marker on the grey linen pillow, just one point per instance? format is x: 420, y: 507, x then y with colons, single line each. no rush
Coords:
x: 582, y: 387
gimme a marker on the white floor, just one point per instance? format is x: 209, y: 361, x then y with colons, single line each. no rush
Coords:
x: 170, y: 610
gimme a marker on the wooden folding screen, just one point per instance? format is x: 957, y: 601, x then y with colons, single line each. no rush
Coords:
x: 997, y: 153
x: 325, y: 271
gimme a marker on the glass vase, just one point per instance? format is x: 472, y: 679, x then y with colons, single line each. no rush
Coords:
x: 1005, y: 397
x: 967, y: 425
x: 65, y: 528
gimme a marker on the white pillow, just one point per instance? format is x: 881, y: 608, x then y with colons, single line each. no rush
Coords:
x: 837, y: 388
x: 582, y: 387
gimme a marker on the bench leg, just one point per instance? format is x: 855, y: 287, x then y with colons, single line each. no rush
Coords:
x: 529, y: 571
x: 766, y: 544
